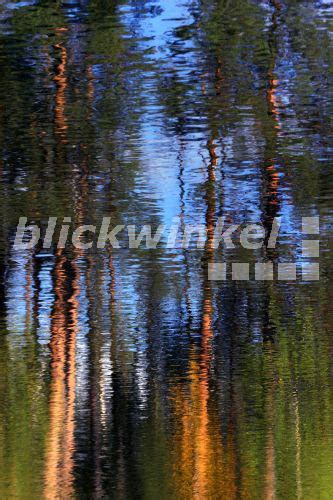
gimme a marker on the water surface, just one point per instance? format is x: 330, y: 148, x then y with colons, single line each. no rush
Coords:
x: 127, y: 374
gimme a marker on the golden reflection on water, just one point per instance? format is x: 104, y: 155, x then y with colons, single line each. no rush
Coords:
x: 60, y: 96
x: 204, y: 467
x: 59, y: 462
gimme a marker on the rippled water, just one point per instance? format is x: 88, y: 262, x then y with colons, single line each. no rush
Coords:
x: 127, y: 373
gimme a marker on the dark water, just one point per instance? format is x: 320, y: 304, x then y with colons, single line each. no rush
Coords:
x: 127, y: 373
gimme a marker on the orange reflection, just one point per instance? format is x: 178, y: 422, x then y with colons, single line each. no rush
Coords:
x: 273, y: 105
x: 60, y: 98
x: 205, y: 467
x: 60, y: 30
x: 60, y: 444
